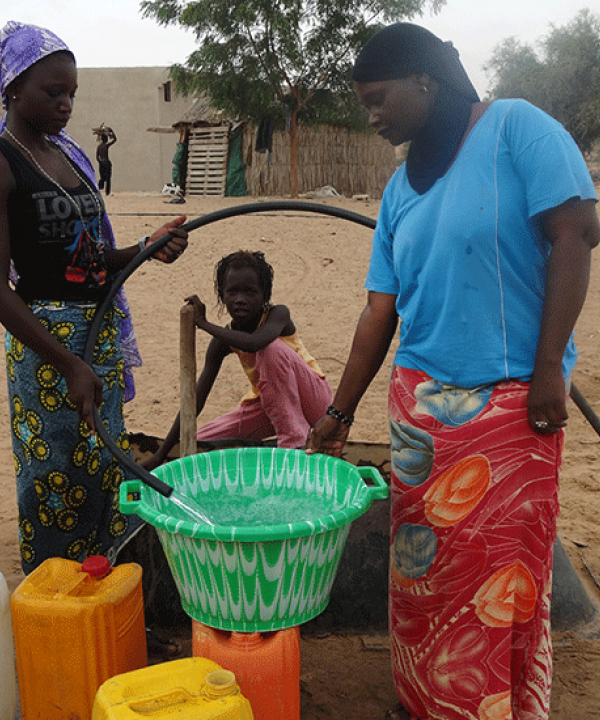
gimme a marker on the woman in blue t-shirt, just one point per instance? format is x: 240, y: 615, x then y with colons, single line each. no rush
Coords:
x: 482, y: 250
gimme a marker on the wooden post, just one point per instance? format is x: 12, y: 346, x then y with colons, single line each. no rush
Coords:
x: 187, y: 381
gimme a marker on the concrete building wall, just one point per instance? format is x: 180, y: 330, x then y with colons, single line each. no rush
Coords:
x: 129, y: 100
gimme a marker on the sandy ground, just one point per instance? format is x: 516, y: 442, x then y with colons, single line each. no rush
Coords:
x: 320, y: 264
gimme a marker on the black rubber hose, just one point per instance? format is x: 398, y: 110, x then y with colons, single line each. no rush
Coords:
x: 88, y: 355
x: 585, y: 408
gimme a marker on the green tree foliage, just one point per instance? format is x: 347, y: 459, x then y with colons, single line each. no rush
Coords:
x: 286, y: 59
x: 563, y: 79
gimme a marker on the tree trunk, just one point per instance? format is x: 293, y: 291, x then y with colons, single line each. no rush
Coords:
x: 294, y: 155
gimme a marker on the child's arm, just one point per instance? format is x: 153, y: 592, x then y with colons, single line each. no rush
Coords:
x: 213, y: 360
x: 276, y: 324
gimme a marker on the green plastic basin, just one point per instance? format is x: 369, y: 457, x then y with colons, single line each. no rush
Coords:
x: 281, y: 521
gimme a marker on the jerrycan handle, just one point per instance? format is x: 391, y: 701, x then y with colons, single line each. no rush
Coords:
x: 161, y: 701
x: 93, y: 568
x: 218, y: 684
x: 379, y: 491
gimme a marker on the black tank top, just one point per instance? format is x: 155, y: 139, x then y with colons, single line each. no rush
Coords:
x: 56, y: 256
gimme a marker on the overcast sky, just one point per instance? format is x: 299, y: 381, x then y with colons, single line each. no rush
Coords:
x: 112, y: 33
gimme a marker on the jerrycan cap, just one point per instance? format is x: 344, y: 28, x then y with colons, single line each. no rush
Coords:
x: 97, y: 566
x: 220, y: 683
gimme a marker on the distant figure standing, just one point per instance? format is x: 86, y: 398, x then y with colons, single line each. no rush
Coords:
x: 107, y: 138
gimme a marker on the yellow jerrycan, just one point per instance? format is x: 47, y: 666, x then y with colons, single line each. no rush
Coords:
x: 187, y: 689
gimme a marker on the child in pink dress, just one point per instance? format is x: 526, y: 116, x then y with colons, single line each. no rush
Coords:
x: 288, y: 391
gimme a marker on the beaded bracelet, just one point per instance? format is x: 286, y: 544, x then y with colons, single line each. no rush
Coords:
x: 339, y: 416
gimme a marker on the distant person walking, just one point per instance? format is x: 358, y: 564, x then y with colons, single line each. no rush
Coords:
x: 107, y: 138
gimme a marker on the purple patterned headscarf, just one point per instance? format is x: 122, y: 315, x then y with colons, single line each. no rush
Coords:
x: 21, y: 46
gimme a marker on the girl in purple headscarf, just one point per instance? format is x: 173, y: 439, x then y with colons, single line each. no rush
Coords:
x: 57, y: 256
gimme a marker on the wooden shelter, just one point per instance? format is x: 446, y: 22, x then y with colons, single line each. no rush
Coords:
x: 351, y: 162
x: 207, y: 133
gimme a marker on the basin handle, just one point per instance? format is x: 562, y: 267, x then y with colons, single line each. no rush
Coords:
x: 130, y: 496
x: 379, y: 491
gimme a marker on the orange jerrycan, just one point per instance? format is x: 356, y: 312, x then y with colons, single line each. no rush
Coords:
x: 188, y: 689
x: 266, y: 666
x: 75, y: 626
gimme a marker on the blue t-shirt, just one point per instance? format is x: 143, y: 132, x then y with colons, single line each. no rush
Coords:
x: 467, y: 260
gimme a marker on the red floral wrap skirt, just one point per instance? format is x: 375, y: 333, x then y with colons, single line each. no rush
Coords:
x: 474, y: 506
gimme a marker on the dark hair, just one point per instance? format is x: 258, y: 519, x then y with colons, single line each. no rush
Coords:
x: 244, y: 259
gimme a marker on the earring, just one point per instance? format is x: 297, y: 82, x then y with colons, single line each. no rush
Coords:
x: 424, y: 88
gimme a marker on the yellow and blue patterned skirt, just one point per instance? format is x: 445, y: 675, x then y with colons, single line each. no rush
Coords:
x: 67, y: 480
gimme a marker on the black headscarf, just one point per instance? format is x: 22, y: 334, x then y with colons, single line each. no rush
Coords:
x: 402, y: 50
